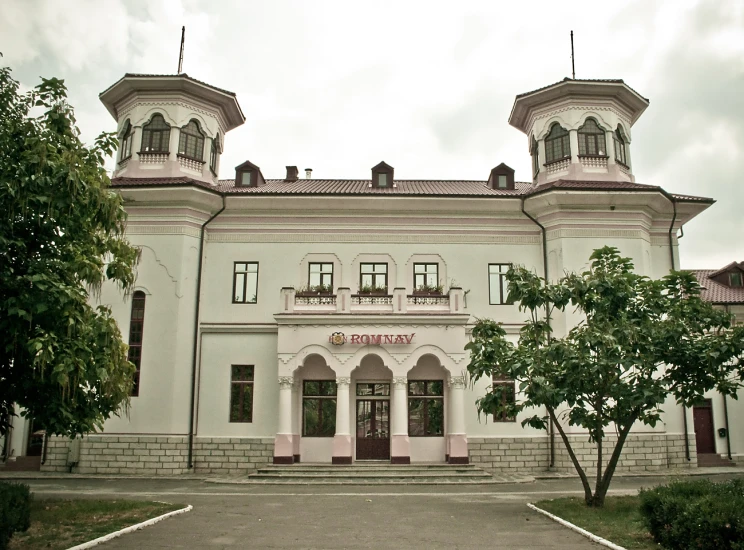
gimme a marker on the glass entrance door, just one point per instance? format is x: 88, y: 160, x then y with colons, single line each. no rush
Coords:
x: 373, y: 422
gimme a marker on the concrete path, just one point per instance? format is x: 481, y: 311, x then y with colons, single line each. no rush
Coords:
x: 273, y: 517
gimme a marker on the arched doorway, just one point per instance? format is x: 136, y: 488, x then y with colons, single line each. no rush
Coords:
x: 427, y: 397
x: 371, y: 382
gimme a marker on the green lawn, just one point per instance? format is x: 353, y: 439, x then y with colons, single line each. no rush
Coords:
x: 619, y: 521
x: 58, y: 524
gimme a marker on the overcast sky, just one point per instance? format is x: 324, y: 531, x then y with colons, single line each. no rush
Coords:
x: 426, y: 86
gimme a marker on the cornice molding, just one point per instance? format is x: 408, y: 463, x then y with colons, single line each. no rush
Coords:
x: 229, y: 237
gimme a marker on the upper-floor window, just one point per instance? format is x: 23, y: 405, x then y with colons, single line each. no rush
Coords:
x: 318, y: 408
x: 736, y: 279
x: 557, y: 144
x: 320, y: 276
x: 373, y: 277
x: 382, y: 175
x: 155, y: 135
x: 241, y: 393
x: 245, y: 283
x: 125, y: 137
x: 507, y: 392
x: 592, y: 139
x: 497, y: 286
x: 214, y: 153
x: 136, y: 327
x: 425, y: 276
x: 535, y: 158
x: 620, y: 141
x: 426, y: 408
x: 191, y: 141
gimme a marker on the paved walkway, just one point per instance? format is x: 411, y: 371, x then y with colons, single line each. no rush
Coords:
x: 294, y: 516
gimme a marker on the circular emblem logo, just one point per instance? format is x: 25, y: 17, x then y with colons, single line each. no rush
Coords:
x: 338, y: 338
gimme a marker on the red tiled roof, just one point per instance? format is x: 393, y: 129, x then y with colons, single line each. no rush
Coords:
x: 715, y: 292
x: 141, y: 75
x: 603, y: 80
x: 451, y: 188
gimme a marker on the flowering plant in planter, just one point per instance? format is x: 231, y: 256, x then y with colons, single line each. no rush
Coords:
x: 372, y: 289
x: 315, y: 290
x: 428, y: 290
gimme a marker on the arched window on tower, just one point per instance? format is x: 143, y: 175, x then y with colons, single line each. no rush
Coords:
x: 535, y: 158
x: 155, y: 135
x: 592, y: 141
x: 125, y: 138
x: 557, y: 144
x: 214, y: 154
x: 620, y: 141
x: 136, y: 326
x: 191, y: 142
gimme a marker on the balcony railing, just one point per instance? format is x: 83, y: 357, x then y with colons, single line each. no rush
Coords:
x: 398, y: 302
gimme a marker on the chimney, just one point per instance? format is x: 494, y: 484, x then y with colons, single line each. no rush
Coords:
x: 308, y: 173
x: 293, y: 173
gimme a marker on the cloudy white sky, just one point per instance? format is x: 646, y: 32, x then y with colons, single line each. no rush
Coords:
x: 426, y: 86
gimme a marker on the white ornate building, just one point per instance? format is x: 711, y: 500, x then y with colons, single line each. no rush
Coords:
x: 305, y: 319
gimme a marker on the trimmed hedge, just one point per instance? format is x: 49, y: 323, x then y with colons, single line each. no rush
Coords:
x: 699, y: 515
x: 15, y: 510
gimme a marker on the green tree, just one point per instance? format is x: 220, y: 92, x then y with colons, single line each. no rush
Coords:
x: 61, y: 237
x: 640, y: 341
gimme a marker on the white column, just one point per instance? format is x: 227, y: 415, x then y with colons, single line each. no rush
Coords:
x: 400, y: 448
x: 283, y: 447
x: 458, y: 438
x: 573, y: 139
x: 342, y: 440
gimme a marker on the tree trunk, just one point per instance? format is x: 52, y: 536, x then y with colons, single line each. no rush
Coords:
x: 602, y: 487
x: 598, y: 441
x: 588, y: 497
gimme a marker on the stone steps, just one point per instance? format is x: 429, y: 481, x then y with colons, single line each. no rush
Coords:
x: 370, y: 474
x: 706, y: 460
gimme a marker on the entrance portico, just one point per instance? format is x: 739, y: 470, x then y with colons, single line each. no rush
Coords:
x: 341, y: 402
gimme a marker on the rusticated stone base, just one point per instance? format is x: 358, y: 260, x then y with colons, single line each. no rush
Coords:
x: 159, y: 455
x: 642, y: 452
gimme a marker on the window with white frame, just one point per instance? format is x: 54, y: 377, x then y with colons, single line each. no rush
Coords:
x: 497, y: 285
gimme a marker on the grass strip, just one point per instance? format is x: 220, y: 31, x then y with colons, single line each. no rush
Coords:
x: 619, y: 521
x: 58, y: 524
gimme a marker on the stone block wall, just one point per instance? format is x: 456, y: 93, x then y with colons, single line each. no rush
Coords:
x: 159, y: 455
x: 642, y: 452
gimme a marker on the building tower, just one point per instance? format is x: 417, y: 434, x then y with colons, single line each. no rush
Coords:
x: 170, y: 126
x: 579, y: 129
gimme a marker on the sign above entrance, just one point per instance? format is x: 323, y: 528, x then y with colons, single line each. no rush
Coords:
x: 339, y: 339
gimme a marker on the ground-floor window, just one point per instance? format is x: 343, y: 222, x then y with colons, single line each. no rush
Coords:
x: 241, y: 393
x: 319, y: 408
x: 426, y: 408
x: 507, y: 390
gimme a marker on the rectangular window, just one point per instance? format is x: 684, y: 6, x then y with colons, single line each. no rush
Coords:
x: 507, y: 389
x: 373, y: 390
x: 318, y: 408
x: 245, y: 283
x: 736, y: 279
x: 136, y: 328
x: 321, y: 275
x: 497, y: 286
x: 382, y: 180
x: 425, y: 276
x: 426, y: 408
x: 373, y: 277
x: 241, y: 393
x: 502, y: 182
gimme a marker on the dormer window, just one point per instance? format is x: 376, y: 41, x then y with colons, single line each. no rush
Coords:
x: 248, y: 175
x: 214, y: 154
x: 620, y: 141
x: 592, y: 140
x: 501, y: 177
x: 155, y: 136
x: 125, y: 137
x: 534, y: 151
x: 191, y: 141
x: 382, y: 176
x: 736, y: 279
x: 557, y: 144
